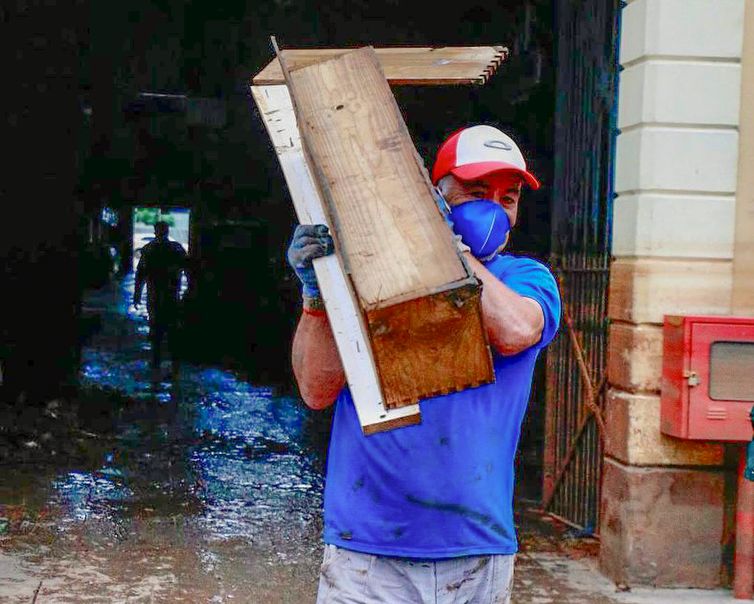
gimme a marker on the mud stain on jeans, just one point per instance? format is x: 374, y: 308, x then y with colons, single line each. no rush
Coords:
x: 469, y: 574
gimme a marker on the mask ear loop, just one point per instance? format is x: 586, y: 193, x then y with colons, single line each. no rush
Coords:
x: 441, y: 202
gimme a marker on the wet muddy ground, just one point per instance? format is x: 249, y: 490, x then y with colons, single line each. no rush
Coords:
x: 200, y: 487
x: 204, y: 488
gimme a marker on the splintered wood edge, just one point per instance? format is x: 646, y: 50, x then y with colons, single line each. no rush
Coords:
x: 501, y: 54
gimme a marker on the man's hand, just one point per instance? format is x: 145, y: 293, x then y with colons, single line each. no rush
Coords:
x: 310, y: 241
x: 316, y: 362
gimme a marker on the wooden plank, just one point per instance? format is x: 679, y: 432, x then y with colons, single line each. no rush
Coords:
x: 345, y: 317
x: 395, y: 241
x: 410, y: 281
x: 419, y: 66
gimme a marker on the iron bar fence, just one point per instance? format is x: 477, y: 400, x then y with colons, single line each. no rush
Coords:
x: 586, y: 66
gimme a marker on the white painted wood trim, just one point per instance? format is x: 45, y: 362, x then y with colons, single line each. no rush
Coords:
x: 276, y: 109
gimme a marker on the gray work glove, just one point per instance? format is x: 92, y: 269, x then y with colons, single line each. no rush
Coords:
x: 309, y: 241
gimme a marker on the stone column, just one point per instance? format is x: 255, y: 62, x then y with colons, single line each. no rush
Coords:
x: 662, y: 498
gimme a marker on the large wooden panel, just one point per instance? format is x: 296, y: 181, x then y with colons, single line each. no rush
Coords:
x: 395, y: 244
x: 345, y: 316
x: 415, y: 66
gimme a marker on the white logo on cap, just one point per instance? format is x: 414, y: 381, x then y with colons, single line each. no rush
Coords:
x: 498, y: 145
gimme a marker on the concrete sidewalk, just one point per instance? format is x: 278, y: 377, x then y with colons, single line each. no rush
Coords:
x: 557, y: 564
x: 544, y: 578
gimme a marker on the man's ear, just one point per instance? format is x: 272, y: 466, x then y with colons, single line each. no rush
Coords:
x: 446, y: 183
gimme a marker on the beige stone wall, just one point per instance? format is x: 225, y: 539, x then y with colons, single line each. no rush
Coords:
x: 673, y: 244
x: 743, y: 248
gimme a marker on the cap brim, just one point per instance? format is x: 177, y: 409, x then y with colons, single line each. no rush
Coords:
x: 478, y: 170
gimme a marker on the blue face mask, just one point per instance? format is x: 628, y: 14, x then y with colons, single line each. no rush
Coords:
x: 483, y: 225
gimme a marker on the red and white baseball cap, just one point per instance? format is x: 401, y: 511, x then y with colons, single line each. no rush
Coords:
x: 477, y: 151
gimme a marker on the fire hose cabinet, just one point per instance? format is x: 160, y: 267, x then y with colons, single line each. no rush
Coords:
x: 707, y: 377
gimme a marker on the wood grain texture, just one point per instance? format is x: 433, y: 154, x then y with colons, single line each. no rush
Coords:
x: 421, y: 302
x: 430, y: 346
x: 395, y: 242
x: 345, y: 316
x: 422, y: 66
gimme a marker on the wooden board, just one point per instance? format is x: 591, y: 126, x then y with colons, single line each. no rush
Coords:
x: 414, y: 66
x: 345, y: 317
x: 396, y: 246
x: 396, y: 243
x: 430, y: 346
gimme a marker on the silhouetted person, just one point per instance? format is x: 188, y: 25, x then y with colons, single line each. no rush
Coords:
x: 160, y: 268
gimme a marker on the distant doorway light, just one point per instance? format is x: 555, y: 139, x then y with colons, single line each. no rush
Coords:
x: 177, y: 218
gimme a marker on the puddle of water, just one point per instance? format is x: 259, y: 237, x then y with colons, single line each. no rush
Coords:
x: 218, y: 474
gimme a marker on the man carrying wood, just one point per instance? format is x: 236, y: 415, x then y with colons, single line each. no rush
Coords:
x: 425, y: 513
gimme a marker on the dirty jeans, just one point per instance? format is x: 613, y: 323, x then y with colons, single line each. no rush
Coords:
x: 349, y: 577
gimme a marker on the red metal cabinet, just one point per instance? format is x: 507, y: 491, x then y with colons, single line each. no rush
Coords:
x: 707, y: 377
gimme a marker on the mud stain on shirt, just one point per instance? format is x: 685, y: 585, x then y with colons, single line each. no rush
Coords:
x: 456, y: 508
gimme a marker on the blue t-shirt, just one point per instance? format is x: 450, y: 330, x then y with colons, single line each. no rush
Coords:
x: 443, y: 488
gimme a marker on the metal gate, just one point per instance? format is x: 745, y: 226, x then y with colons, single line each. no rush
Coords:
x: 586, y: 64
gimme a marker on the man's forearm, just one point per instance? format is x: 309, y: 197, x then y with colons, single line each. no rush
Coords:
x: 316, y: 362
x: 513, y: 322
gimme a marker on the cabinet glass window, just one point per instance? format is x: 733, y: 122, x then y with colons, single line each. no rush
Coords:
x: 731, y: 370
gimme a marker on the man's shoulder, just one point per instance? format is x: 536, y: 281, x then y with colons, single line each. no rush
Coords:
x: 149, y: 247
x: 510, y: 263
x: 176, y: 247
x: 169, y: 244
x: 523, y: 274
